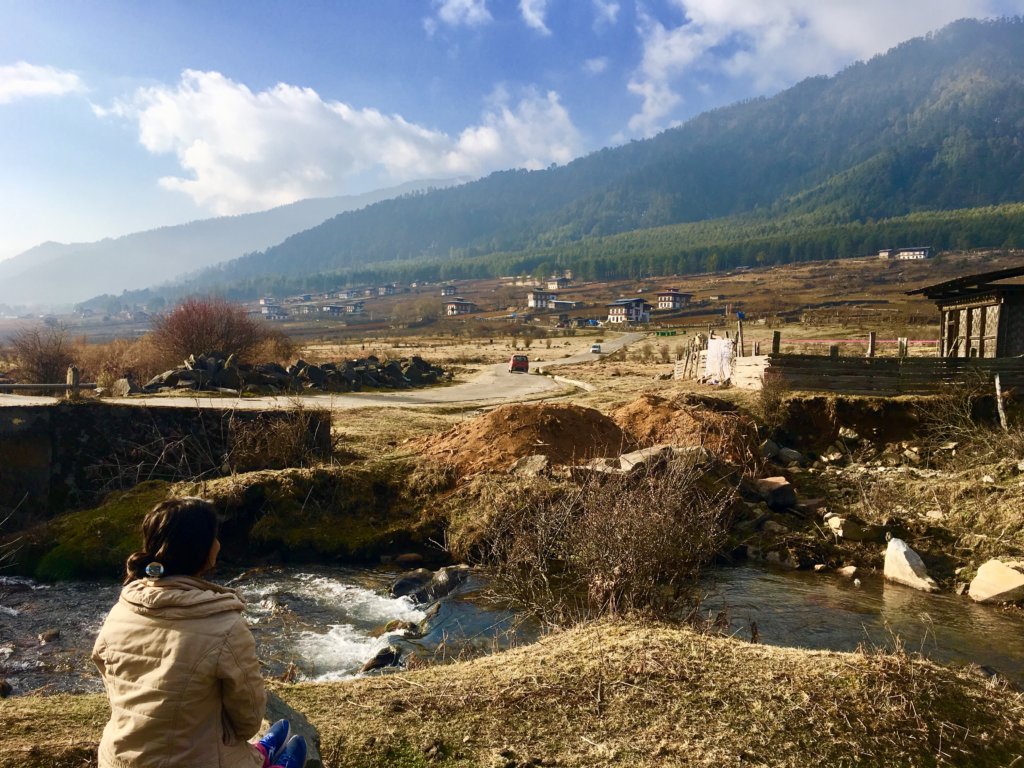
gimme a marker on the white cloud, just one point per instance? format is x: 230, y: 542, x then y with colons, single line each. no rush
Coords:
x: 596, y: 65
x: 607, y: 12
x: 24, y: 80
x: 470, y: 13
x: 773, y: 43
x: 533, y: 12
x: 243, y: 151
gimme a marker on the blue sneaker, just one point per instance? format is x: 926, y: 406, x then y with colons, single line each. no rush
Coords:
x: 293, y: 755
x: 274, y: 739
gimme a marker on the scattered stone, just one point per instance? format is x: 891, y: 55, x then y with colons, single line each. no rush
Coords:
x: 770, y: 526
x: 904, y: 566
x: 776, y: 491
x: 849, y: 571
x: 988, y: 479
x: 789, y: 456
x: 769, y: 449
x: 441, y: 584
x: 961, y: 587
x: 48, y: 636
x: 848, y: 434
x: 819, y: 567
x: 851, y: 529
x: 123, y: 388
x: 6, y: 689
x: 934, y: 514
x: 630, y: 461
x: 531, y: 466
x: 998, y: 582
x: 394, y: 627
x: 912, y: 455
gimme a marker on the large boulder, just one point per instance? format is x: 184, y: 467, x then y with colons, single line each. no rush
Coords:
x: 411, y: 581
x: 123, y: 388
x: 443, y: 583
x: 637, y: 459
x: 998, y: 582
x: 904, y: 566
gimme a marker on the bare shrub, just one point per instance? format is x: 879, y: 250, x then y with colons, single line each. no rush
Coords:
x: 275, y: 441
x: 615, y: 544
x: 663, y: 353
x: 117, y: 359
x: 771, y: 400
x: 200, y: 326
x: 43, y: 354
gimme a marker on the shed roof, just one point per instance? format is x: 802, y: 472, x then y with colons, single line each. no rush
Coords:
x: 972, y: 284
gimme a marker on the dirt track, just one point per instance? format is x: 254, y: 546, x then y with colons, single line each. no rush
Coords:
x: 492, y: 385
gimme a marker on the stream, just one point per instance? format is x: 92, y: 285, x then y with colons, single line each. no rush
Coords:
x: 324, y: 623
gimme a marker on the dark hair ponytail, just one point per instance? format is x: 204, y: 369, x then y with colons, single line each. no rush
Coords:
x: 177, y: 534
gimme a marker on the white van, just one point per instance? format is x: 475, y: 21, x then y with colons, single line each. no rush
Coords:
x: 595, y: 349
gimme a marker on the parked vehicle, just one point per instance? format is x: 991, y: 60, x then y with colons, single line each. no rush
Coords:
x: 595, y: 348
x: 519, y: 363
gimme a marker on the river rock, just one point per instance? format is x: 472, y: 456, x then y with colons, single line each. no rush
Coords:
x: 776, y: 491
x: 849, y: 571
x: 851, y: 529
x: 409, y: 560
x: 998, y: 582
x: 442, y: 584
x: 904, y: 566
x: 48, y: 636
x: 386, y: 657
x: 410, y: 581
x: 123, y: 388
x: 277, y: 709
x: 6, y: 689
x: 769, y: 449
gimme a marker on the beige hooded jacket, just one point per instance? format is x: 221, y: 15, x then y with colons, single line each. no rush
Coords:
x: 179, y: 665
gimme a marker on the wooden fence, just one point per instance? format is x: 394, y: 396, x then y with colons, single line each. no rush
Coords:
x: 71, y: 388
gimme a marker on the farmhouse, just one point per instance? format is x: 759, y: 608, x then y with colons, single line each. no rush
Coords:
x: 673, y: 299
x: 540, y: 299
x: 911, y: 253
x: 447, y: 290
x: 558, y: 283
x: 982, y: 315
x: 629, y: 311
x: 460, y: 306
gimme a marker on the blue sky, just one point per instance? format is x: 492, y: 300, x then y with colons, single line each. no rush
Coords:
x: 121, y: 116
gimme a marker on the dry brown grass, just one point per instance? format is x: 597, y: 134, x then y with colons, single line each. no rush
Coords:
x: 618, y: 694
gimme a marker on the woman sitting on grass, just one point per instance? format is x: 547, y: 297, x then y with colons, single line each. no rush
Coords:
x: 178, y: 660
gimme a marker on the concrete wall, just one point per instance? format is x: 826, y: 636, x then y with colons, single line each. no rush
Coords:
x: 55, y: 457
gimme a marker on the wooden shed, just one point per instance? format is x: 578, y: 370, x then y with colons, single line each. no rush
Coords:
x: 982, y: 315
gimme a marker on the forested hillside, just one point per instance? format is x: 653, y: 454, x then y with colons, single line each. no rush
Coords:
x: 936, y: 124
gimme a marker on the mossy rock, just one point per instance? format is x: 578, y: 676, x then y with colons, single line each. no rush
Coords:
x: 89, y: 543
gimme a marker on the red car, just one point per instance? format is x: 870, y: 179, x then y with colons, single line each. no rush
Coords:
x: 519, y: 363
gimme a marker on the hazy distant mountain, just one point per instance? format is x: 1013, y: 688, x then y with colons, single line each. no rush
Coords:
x: 934, y: 124
x: 54, y: 273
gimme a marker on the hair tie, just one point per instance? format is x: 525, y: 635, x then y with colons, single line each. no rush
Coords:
x: 154, y: 570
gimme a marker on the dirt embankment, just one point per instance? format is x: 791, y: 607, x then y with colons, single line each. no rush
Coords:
x: 566, y: 434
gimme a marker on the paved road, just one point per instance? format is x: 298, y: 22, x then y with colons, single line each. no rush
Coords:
x: 493, y: 384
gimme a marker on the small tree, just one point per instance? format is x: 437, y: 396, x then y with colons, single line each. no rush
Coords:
x: 43, y: 354
x: 199, y: 326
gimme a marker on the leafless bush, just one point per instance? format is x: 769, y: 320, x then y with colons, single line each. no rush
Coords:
x: 663, y: 353
x: 618, y: 544
x: 275, y: 441
x: 771, y: 400
x: 208, y: 325
x: 105, y: 363
x: 43, y: 354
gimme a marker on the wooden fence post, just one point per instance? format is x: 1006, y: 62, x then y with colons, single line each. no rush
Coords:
x: 757, y: 348
x: 833, y: 351
x: 871, y: 344
x: 739, y: 337
x: 901, y: 347
x: 73, y: 382
x: 1000, y: 406
x: 776, y: 341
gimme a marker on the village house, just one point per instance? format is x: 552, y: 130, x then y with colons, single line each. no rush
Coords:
x: 540, y: 299
x: 981, y: 315
x: 460, y: 306
x: 673, y: 299
x: 447, y: 290
x: 355, y: 308
x: 386, y: 290
x: 629, y: 311
x: 333, y: 310
x: 912, y: 253
x: 558, y: 283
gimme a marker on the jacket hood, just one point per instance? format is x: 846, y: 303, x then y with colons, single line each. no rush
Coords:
x: 179, y: 597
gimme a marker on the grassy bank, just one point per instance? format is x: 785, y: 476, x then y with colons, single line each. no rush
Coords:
x: 618, y: 694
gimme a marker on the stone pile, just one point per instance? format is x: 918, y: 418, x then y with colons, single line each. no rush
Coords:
x: 214, y: 373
